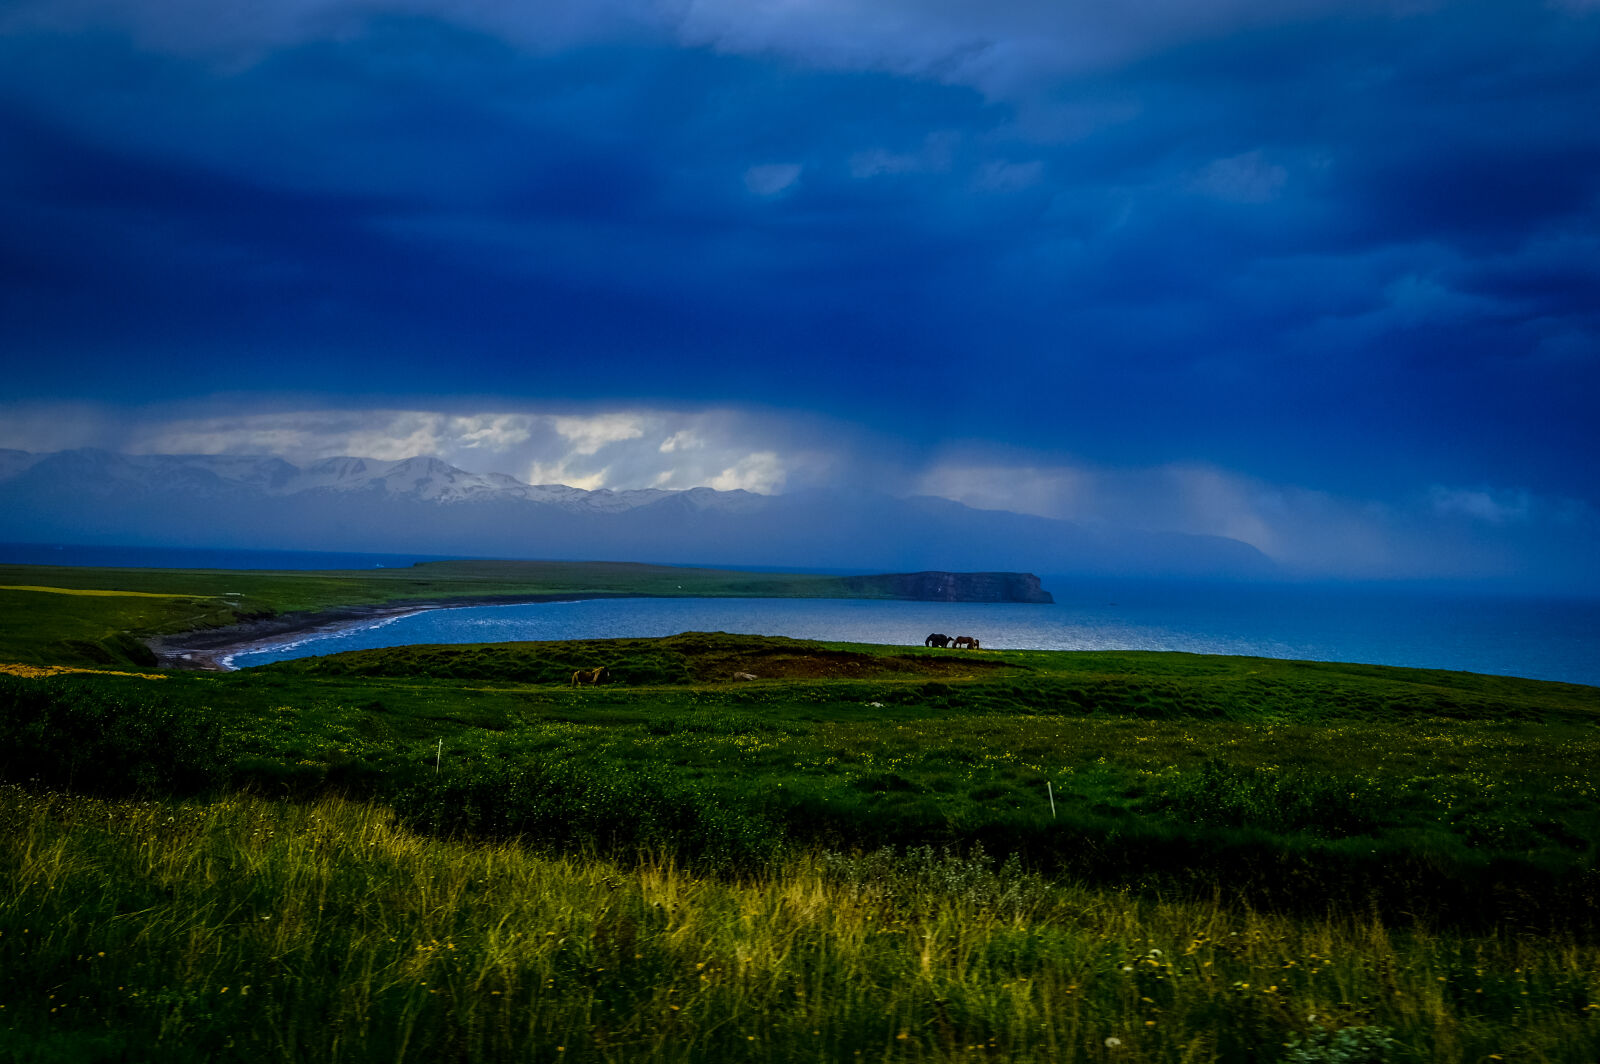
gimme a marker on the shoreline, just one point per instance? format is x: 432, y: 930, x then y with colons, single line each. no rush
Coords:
x: 209, y: 649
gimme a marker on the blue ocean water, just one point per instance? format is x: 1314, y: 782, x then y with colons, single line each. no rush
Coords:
x: 1541, y: 638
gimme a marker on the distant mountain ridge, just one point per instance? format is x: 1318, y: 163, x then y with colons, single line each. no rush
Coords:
x: 424, y: 505
x: 421, y: 478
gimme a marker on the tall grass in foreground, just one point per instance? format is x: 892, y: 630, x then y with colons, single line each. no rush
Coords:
x: 250, y: 930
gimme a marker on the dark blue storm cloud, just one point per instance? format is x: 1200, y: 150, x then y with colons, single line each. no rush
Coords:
x: 1346, y: 247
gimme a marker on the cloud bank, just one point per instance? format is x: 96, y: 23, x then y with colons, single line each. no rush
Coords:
x: 997, y: 46
x: 1432, y: 532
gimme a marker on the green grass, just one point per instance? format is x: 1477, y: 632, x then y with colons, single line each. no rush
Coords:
x: 432, y: 853
x: 41, y: 628
x: 1443, y: 795
x: 251, y: 930
x: 320, y: 589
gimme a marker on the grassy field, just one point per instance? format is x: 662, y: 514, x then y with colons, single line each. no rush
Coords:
x: 319, y: 589
x: 1442, y: 793
x: 250, y: 930
x: 866, y: 852
x: 75, y: 615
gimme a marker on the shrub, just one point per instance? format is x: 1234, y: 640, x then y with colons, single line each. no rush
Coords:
x: 605, y: 806
x: 1224, y: 795
x: 921, y: 875
x: 81, y: 736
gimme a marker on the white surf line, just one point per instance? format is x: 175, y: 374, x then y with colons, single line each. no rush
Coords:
x: 335, y: 630
x: 339, y: 629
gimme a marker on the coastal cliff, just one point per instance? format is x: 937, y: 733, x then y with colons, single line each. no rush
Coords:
x: 951, y: 587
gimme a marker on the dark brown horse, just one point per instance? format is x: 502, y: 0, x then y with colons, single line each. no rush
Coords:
x: 937, y: 639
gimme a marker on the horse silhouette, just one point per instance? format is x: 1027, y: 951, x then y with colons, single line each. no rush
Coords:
x: 936, y: 640
x: 583, y: 676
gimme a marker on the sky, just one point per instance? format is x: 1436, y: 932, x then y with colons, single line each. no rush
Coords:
x: 1322, y: 275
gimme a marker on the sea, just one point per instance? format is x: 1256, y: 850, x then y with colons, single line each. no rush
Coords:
x: 1470, y: 629
x: 1540, y: 638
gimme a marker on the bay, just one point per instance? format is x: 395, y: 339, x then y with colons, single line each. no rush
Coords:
x: 1541, y: 638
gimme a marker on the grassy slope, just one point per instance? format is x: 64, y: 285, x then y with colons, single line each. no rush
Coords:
x: 1429, y: 841
x: 251, y: 930
x: 41, y: 628
x: 861, y: 745
x: 1305, y: 781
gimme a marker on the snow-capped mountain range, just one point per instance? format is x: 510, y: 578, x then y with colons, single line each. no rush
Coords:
x: 420, y: 478
x: 424, y: 505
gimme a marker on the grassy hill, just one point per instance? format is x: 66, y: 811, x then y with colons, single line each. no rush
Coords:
x: 1462, y: 797
x: 1135, y: 768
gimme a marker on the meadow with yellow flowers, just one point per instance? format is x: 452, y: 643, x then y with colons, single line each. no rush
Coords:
x: 869, y: 853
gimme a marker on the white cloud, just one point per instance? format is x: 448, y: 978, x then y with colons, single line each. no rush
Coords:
x: 1495, y: 508
x: 561, y: 472
x: 588, y: 434
x: 769, y: 179
x: 762, y: 473
x: 301, y: 436
x: 1003, y: 176
x: 242, y: 32
x: 1411, y: 295
x: 875, y: 162
x: 494, y: 432
x: 1415, y: 299
x: 297, y: 436
x: 620, y: 449
x: 1005, y: 48
x: 934, y: 156
x: 683, y: 440
x: 1247, y: 178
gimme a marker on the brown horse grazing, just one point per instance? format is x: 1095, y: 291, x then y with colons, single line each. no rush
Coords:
x: 937, y: 639
x: 964, y: 641
x: 583, y: 676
